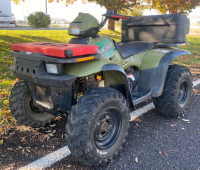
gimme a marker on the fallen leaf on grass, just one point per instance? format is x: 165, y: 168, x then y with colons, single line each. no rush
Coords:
x: 166, y: 154
x: 136, y: 160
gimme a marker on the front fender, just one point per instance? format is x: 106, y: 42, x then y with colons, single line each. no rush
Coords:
x: 85, y: 68
x: 115, y: 75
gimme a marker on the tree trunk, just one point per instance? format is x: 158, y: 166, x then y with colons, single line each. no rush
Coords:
x: 111, y: 25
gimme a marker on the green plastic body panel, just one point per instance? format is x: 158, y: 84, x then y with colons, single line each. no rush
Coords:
x: 85, y: 68
x: 145, y: 60
x: 87, y: 20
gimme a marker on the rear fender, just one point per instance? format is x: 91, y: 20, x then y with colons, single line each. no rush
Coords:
x: 163, y: 68
x: 153, y: 69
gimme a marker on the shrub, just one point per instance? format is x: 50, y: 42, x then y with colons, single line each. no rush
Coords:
x: 38, y: 20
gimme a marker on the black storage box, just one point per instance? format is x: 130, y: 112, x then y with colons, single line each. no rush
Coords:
x: 170, y: 28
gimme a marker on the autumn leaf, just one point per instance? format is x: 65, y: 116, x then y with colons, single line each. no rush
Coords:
x: 166, y: 154
x: 28, y: 150
x: 136, y: 160
x: 52, y: 125
x: 1, y: 142
x: 54, y: 131
x: 51, y: 134
x: 186, y: 120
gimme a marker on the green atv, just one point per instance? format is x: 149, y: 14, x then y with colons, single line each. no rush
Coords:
x: 93, y: 81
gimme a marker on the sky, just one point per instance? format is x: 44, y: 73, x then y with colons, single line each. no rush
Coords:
x: 59, y: 10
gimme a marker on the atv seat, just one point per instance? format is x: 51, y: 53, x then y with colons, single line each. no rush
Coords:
x: 133, y: 47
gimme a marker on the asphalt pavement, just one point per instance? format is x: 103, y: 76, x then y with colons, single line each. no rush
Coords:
x: 154, y: 143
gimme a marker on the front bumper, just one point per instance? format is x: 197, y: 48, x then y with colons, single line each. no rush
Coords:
x: 49, y: 91
x: 44, y: 78
x: 32, y: 69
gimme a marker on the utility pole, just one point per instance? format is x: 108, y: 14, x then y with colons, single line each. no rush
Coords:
x: 46, y: 5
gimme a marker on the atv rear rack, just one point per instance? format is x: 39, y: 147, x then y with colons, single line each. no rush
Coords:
x: 168, y: 45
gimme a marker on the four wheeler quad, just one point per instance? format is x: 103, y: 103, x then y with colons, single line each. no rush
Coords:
x: 94, y: 80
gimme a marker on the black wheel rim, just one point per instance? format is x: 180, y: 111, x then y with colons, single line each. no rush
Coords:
x: 107, y: 128
x: 183, y: 90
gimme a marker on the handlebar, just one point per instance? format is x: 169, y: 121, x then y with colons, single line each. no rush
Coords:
x: 110, y: 14
x: 120, y: 17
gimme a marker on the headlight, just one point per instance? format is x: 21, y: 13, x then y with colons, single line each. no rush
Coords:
x: 54, y: 68
x: 75, y: 29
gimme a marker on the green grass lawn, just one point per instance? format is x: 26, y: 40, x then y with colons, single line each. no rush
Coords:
x: 8, y: 37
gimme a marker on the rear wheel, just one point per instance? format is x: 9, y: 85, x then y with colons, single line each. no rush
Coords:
x: 24, y: 109
x: 97, y: 126
x: 176, y: 93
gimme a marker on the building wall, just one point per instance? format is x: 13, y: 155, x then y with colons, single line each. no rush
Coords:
x: 5, y: 7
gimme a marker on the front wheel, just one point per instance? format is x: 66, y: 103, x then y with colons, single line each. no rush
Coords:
x: 176, y: 93
x: 97, y: 126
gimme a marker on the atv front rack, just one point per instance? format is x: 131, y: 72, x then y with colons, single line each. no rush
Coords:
x: 41, y: 57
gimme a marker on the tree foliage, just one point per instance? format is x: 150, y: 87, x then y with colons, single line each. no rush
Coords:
x: 173, y: 6
x: 117, y: 5
x: 135, y: 11
x: 17, y: 1
x: 38, y: 20
x: 162, y: 6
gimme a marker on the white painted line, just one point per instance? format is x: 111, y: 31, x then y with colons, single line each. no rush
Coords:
x: 48, y: 160
x: 195, y: 83
x: 61, y: 153
x: 135, y: 114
